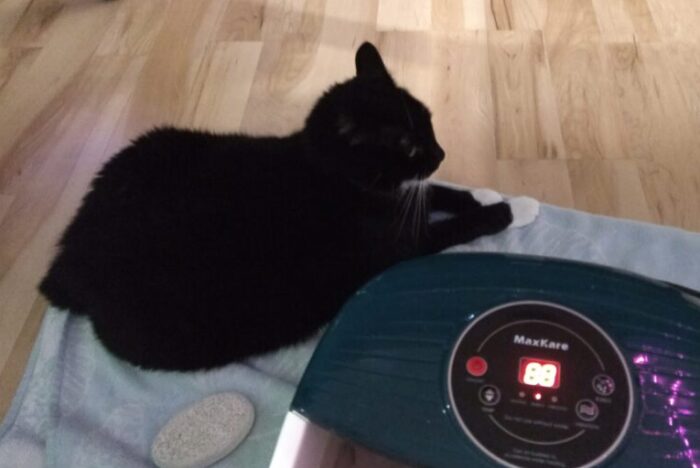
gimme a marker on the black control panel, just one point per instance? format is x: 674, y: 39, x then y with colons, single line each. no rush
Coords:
x: 537, y: 384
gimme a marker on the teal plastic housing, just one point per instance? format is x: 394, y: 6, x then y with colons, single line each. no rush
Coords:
x: 379, y: 374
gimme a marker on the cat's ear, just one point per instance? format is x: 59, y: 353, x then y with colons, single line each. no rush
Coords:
x: 369, y: 63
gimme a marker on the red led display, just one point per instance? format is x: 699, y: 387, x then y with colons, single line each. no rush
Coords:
x: 539, y: 372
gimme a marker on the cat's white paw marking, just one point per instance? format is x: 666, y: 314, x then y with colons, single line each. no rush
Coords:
x: 524, y: 209
x: 486, y: 196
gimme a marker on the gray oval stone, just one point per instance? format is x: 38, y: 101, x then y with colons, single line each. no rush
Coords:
x: 204, y: 432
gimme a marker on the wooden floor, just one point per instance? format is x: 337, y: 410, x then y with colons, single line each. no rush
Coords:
x: 591, y: 104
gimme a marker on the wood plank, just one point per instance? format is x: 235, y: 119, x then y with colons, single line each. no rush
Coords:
x: 282, y: 17
x: 345, y: 26
x: 676, y: 20
x: 547, y: 181
x: 463, y: 109
x: 279, y: 101
x: 11, y: 12
x: 33, y: 27
x: 648, y: 102
x: 134, y: 27
x: 226, y: 85
x: 527, y: 15
x: 29, y: 90
x: 474, y: 14
x: 678, y: 67
x: 579, y: 75
x: 672, y: 190
x: 584, y: 102
x: 642, y: 20
x: 403, y: 15
x: 242, y: 21
x: 613, y: 188
x: 498, y: 17
x: 168, y: 78
x: 614, y: 21
x: 5, y: 202
x: 15, y: 60
x: 527, y: 118
x: 631, y: 98
x: 11, y: 373
x: 570, y: 23
x: 447, y: 15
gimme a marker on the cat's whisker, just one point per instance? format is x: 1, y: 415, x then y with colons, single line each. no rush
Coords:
x: 420, y: 209
x: 409, y: 193
x: 416, y: 212
x: 412, y: 208
x: 410, y: 200
x: 424, y: 204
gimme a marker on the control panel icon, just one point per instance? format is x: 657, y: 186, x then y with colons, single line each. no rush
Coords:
x: 477, y: 366
x: 586, y: 410
x: 603, y: 385
x: 489, y: 395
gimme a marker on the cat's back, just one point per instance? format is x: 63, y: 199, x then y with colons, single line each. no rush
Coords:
x: 186, y: 172
x: 180, y: 160
x: 187, y: 187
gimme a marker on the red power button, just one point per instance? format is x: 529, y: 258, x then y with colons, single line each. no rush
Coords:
x: 477, y: 366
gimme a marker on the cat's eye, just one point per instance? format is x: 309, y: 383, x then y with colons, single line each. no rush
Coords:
x: 408, y: 146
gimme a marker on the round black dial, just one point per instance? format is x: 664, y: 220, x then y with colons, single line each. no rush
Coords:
x: 538, y: 384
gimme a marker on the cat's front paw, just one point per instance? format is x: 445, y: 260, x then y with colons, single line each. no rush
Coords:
x: 524, y: 210
x: 486, y: 196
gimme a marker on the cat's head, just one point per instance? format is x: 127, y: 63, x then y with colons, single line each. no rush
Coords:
x: 371, y: 130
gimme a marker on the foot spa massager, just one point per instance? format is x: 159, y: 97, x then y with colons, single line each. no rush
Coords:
x: 494, y: 359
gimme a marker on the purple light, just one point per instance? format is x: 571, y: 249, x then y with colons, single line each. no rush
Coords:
x: 640, y: 359
x: 673, y: 421
x: 677, y: 403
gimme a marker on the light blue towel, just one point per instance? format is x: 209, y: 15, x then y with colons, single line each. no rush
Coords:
x: 79, y: 407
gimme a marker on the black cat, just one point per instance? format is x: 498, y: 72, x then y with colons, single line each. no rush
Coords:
x: 193, y: 250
